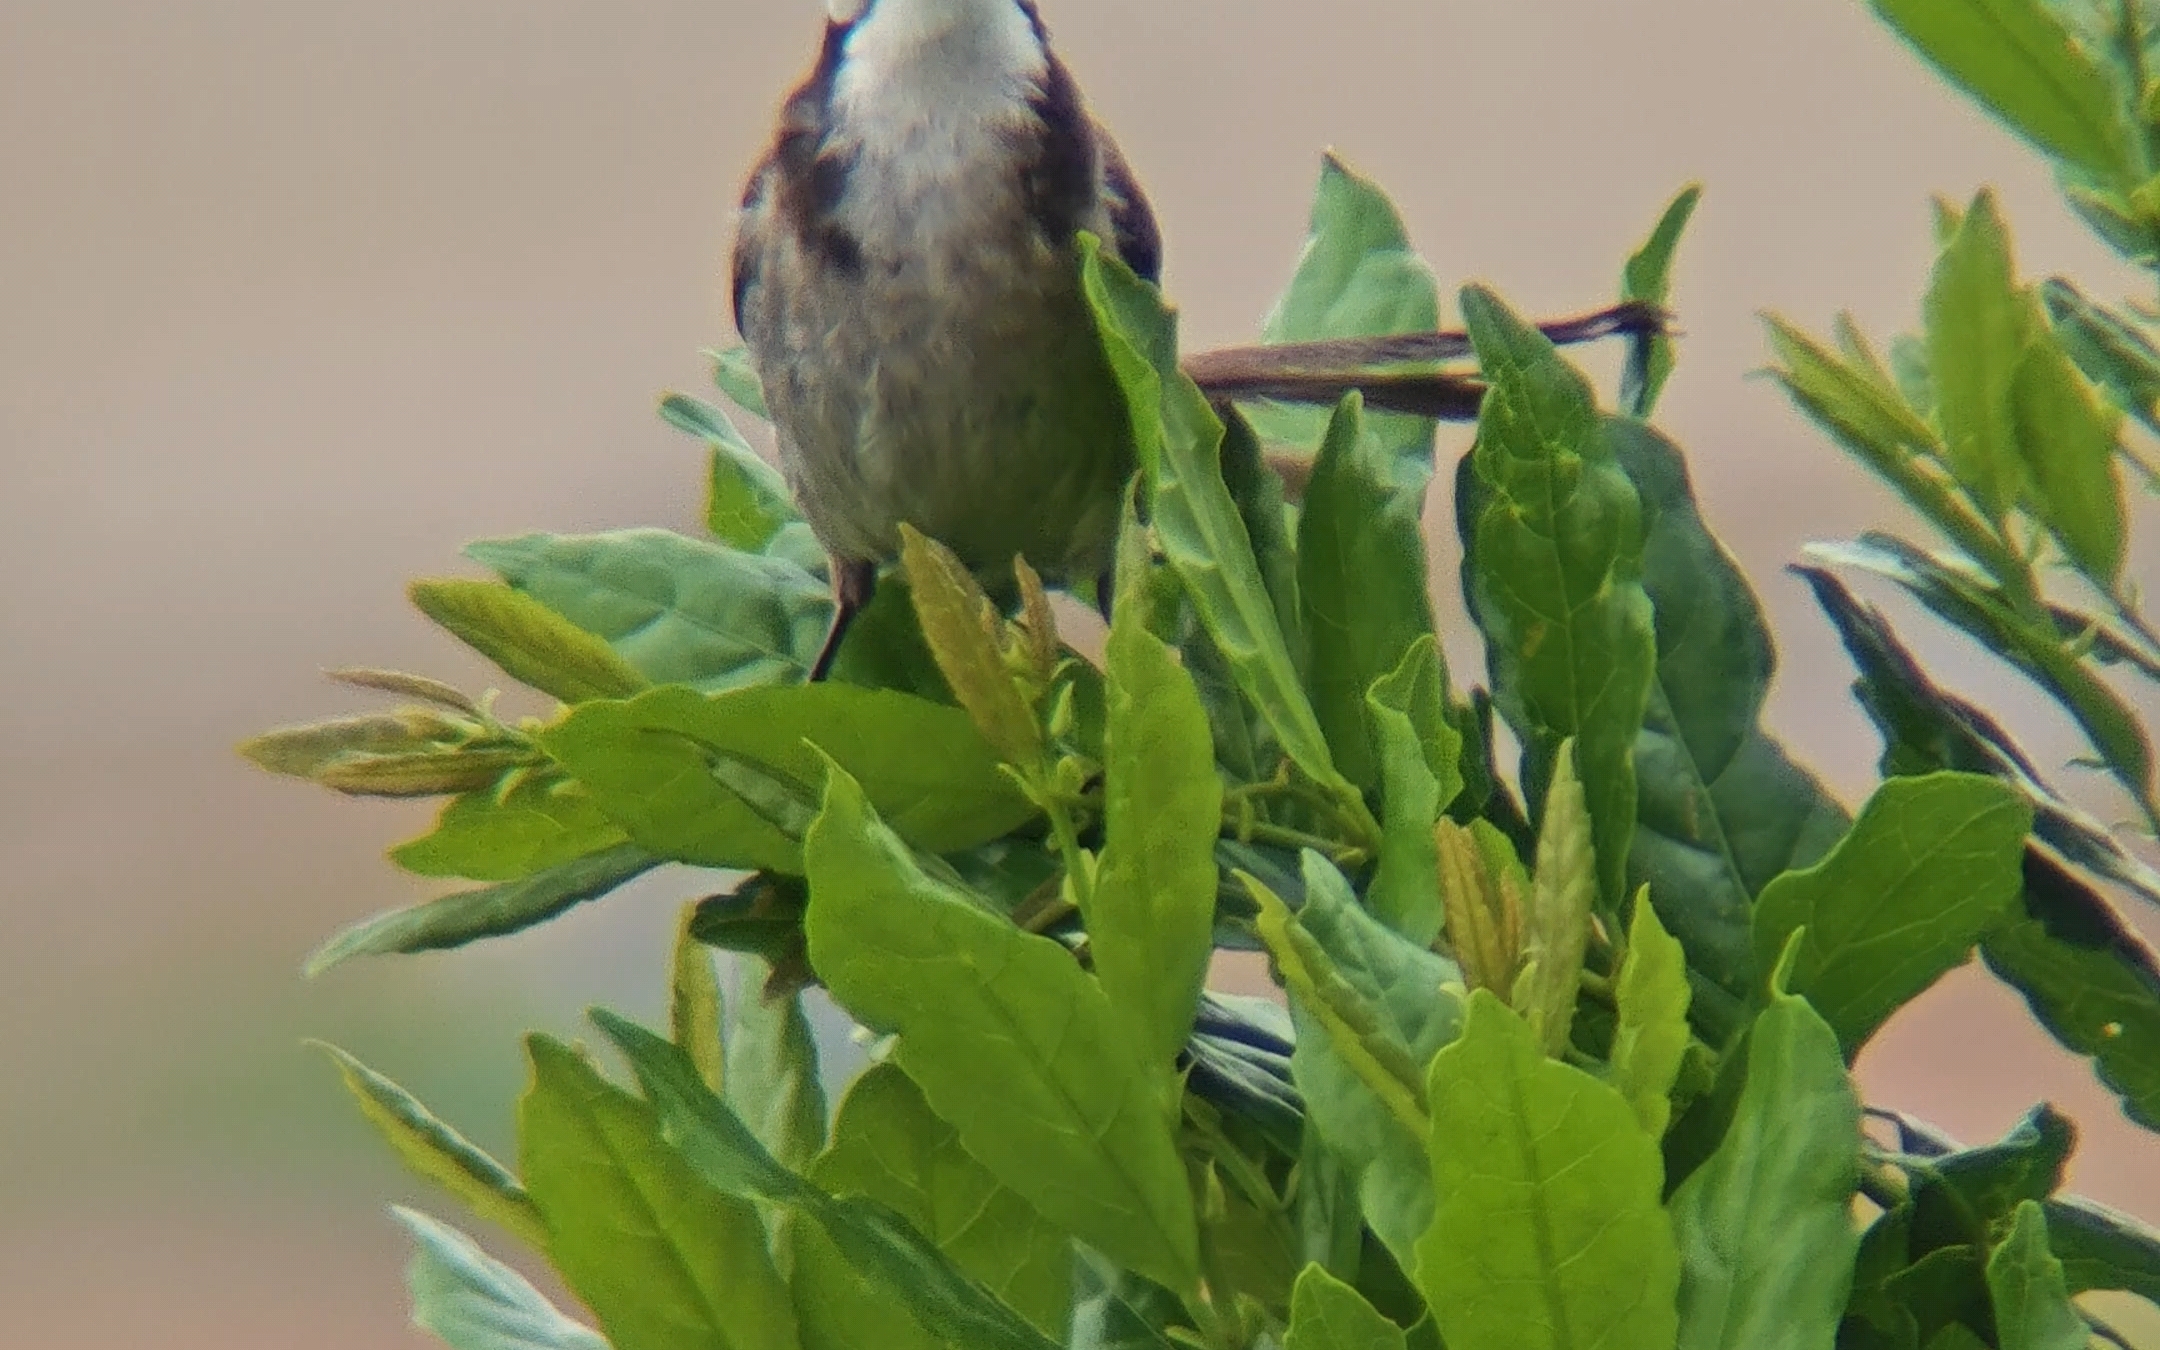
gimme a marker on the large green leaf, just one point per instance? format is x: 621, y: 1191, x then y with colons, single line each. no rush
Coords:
x: 1196, y: 520
x: 2015, y: 58
x: 1765, y: 1225
x: 680, y: 610
x: 868, y: 1238
x: 889, y: 1145
x: 1009, y: 1039
x: 662, y: 1258
x: 435, y: 1152
x: 1977, y: 333
x: 1361, y: 579
x: 841, y: 1307
x: 650, y: 763
x: 772, y: 1079
x: 1326, y: 1314
x: 1365, y: 998
x: 2032, y: 1303
x: 1548, y: 1233
x: 526, y: 824
x: 1553, y: 560
x: 1420, y: 754
x: 1721, y: 808
x: 1151, y: 912
x: 474, y: 1302
x: 1357, y: 277
x: 1930, y: 866
x: 530, y: 642
x: 494, y: 911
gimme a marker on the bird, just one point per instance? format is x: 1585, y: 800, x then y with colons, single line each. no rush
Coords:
x: 907, y: 280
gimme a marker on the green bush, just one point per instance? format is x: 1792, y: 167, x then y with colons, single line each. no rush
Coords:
x: 1565, y: 1056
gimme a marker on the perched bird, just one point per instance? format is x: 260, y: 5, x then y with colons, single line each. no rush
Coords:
x: 907, y: 282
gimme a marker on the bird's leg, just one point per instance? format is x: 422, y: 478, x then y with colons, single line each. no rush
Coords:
x: 853, y: 583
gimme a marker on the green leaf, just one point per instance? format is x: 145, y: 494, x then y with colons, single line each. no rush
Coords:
x: 695, y: 1010
x: 1965, y: 1196
x: 2016, y: 60
x: 1357, y: 277
x: 2088, y: 978
x: 493, y: 911
x: 2103, y: 1249
x: 2111, y: 349
x: 1765, y: 1225
x: 747, y: 503
x: 772, y: 1080
x: 1326, y: 1314
x: 1929, y: 867
x: 1554, y: 560
x: 889, y: 1145
x: 680, y: 610
x: 530, y: 642
x: 962, y: 629
x: 1652, y: 994
x: 1563, y: 892
x: 1008, y: 1038
x: 471, y: 1301
x: 1721, y: 807
x: 2032, y: 1303
x: 1196, y: 520
x: 1361, y: 581
x: 525, y: 824
x: 651, y: 764
x: 435, y: 1152
x: 1373, y: 997
x: 663, y: 1259
x: 870, y: 1239
x: 412, y: 752
x: 736, y: 376
x: 2068, y: 442
x: 1116, y: 1310
x: 1648, y: 277
x: 1151, y: 911
x: 1977, y: 333
x: 1548, y: 1233
x: 1420, y: 754
x: 840, y: 1307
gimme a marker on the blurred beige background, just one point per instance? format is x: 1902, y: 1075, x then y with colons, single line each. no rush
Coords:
x: 296, y: 297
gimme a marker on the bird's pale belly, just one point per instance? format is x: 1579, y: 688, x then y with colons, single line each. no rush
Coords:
x: 965, y: 394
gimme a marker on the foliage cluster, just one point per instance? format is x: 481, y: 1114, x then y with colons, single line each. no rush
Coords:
x: 1565, y: 1056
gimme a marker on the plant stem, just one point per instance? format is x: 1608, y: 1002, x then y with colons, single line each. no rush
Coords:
x: 1260, y: 831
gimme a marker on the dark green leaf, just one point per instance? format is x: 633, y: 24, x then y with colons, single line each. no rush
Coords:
x: 888, y: 1145
x: 661, y: 1257
x: 1966, y: 1195
x: 2032, y: 1303
x: 1357, y: 277
x: 772, y: 1079
x: 695, y: 1008
x: 2015, y: 59
x: 494, y: 911
x: 652, y: 764
x: 1722, y: 808
x: 1008, y: 1038
x: 1554, y: 563
x: 531, y: 642
x: 1151, y: 912
x: 1420, y: 754
x: 680, y: 610
x: 474, y: 1302
x: 1326, y: 1314
x: 1258, y: 491
x: 1361, y: 580
x: 761, y: 917
x: 1116, y: 1310
x: 869, y: 1238
x: 2113, y: 351
x: 435, y: 1152
x: 1196, y: 520
x: 840, y: 1307
x: 2103, y: 1249
x: 1765, y: 1225
x: 1548, y: 1233
x: 1648, y: 277
x: 526, y: 824
x: 1929, y: 867
x: 1977, y: 334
